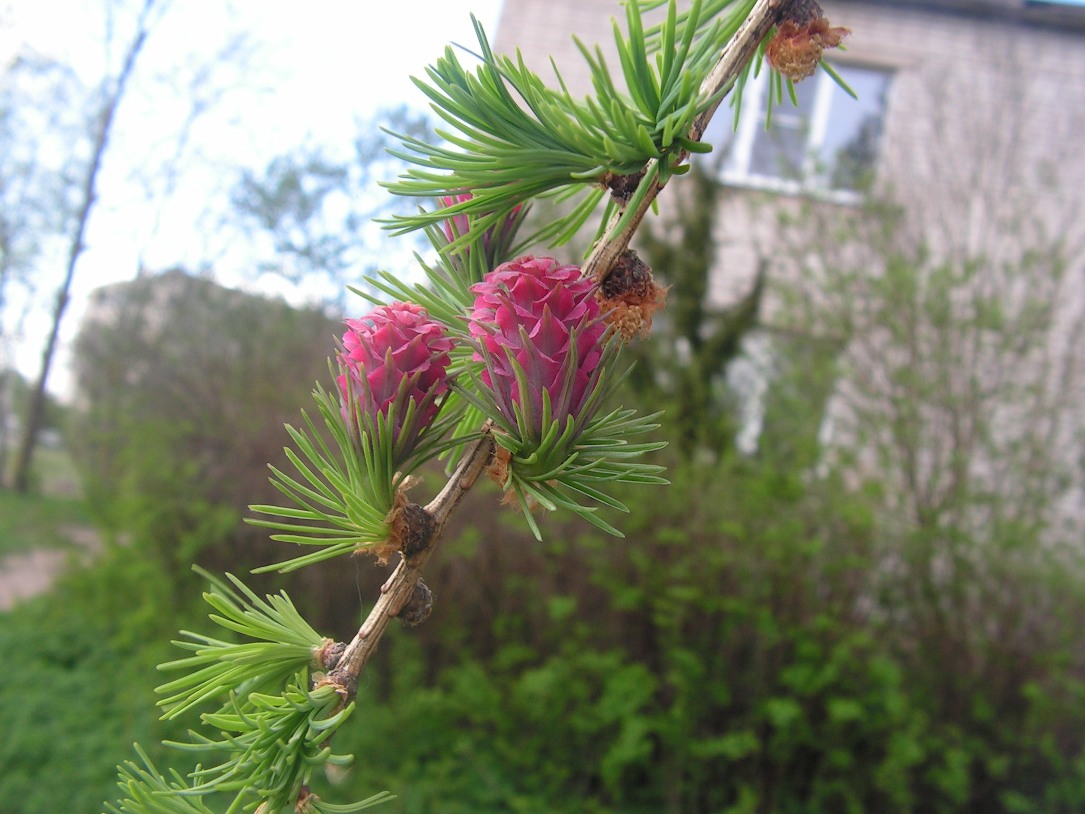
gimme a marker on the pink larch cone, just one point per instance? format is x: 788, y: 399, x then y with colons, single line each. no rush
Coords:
x: 391, y: 357
x: 542, y: 317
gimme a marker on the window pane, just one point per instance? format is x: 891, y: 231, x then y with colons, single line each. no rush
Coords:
x: 720, y: 133
x: 849, y: 149
x: 829, y: 141
x: 780, y: 151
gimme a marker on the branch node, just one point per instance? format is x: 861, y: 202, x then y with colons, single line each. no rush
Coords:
x: 344, y: 684
x: 418, y: 607
x: 622, y: 187
x: 629, y: 297
x: 329, y: 652
x: 416, y: 530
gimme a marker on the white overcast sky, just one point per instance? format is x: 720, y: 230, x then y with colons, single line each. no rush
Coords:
x: 319, y: 67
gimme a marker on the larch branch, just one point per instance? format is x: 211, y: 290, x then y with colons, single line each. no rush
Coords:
x: 735, y: 56
x: 398, y: 589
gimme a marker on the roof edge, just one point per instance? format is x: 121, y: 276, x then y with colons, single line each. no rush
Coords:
x: 1030, y: 13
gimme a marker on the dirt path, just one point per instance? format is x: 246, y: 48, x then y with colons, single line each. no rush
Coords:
x: 32, y: 572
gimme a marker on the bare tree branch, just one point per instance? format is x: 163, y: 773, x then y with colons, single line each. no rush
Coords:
x: 88, y: 198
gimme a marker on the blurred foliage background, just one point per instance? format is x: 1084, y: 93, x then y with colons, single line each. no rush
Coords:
x: 782, y: 630
x: 862, y: 592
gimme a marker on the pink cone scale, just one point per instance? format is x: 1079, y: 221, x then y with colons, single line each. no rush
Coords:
x: 541, y: 317
x: 395, y: 355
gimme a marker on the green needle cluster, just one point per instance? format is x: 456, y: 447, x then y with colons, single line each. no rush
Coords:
x: 270, y: 744
x: 572, y: 461
x: 342, y: 492
x: 279, y: 644
x: 270, y: 728
x: 511, y: 137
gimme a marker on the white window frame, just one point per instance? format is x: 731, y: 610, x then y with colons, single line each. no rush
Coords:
x: 736, y: 164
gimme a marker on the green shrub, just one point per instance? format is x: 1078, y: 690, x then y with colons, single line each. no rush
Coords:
x: 736, y: 653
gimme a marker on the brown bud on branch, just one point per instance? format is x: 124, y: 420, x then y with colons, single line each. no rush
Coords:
x: 801, y: 36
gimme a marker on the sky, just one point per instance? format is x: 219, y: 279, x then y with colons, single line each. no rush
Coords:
x: 307, y: 76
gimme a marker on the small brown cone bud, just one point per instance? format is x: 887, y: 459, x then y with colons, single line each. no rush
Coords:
x: 419, y: 606
x: 498, y: 470
x: 622, y: 187
x: 628, y: 296
x: 409, y: 528
x: 801, y: 36
x: 328, y: 653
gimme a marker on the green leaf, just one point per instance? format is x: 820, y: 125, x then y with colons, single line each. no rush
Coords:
x: 838, y: 79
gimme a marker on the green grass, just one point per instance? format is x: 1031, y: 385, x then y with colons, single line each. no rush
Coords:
x: 39, y: 519
x: 55, y: 473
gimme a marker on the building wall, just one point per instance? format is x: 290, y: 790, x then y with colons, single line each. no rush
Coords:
x: 984, y: 111
x: 980, y: 147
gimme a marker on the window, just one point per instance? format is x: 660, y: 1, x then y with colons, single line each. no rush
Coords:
x: 783, y: 386
x: 829, y: 142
